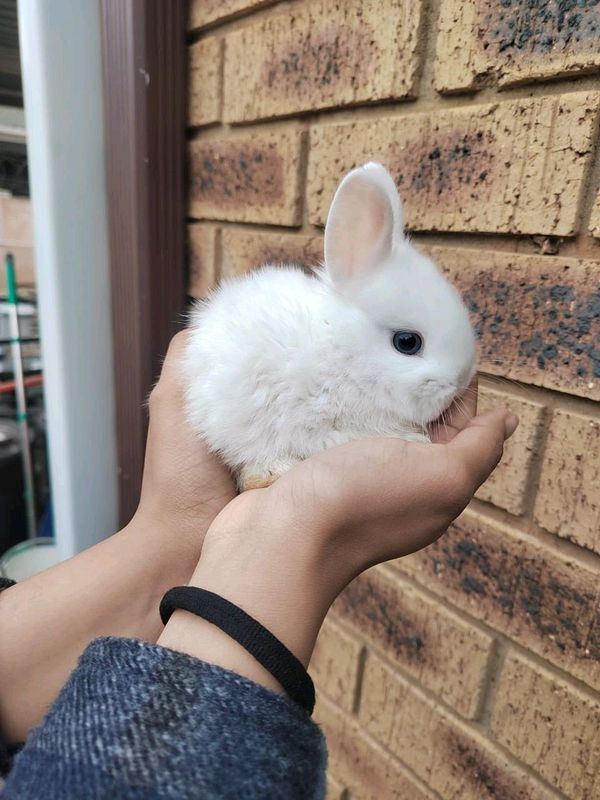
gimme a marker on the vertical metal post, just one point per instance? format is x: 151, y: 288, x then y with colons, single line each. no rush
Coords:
x: 61, y: 55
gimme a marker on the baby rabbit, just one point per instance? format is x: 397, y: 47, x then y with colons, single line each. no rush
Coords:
x: 281, y: 365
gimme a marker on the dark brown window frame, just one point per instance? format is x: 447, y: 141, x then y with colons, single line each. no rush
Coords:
x: 144, y: 53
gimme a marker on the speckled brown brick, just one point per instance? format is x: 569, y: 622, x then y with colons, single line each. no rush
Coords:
x: 360, y: 764
x: 335, y: 663
x: 449, y: 757
x: 420, y: 635
x: 551, y: 725
x: 509, y: 483
x: 537, y: 318
x: 490, y: 168
x: 204, y: 81
x: 515, y: 42
x: 201, y: 258
x: 244, y: 250
x: 546, y: 601
x: 208, y: 12
x: 568, y: 499
x: 322, y: 54
x: 252, y: 178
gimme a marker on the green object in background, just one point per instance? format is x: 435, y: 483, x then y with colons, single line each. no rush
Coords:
x: 21, y: 400
x: 11, y: 282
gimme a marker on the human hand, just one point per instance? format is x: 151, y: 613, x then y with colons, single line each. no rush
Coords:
x: 184, y: 485
x: 376, y: 499
x: 119, y: 582
x: 285, y: 552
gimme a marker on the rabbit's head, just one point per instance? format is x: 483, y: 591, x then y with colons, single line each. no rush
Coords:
x: 411, y: 334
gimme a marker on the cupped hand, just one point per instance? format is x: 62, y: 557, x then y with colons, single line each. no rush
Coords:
x: 380, y: 499
x: 371, y: 500
x: 184, y: 485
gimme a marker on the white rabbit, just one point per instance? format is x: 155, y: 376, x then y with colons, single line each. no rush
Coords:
x: 282, y: 365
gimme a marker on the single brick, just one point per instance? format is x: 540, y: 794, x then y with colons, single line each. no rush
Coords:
x: 320, y: 55
x: 244, y: 250
x: 537, y: 318
x: 546, y: 601
x: 252, y: 178
x: 431, y: 643
x: 516, y: 43
x: 509, y: 483
x: 201, y: 258
x: 550, y: 725
x: 454, y: 68
x: 489, y: 168
x: 568, y: 499
x: 207, y: 12
x: 335, y: 663
x: 595, y: 218
x: 204, y: 82
x: 449, y: 757
x: 360, y: 764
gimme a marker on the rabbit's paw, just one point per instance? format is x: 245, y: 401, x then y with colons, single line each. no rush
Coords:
x: 256, y: 480
x: 252, y: 476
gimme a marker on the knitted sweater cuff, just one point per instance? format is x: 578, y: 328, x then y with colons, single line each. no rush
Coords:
x: 139, y: 720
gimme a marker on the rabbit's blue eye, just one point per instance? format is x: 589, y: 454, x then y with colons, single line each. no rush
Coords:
x: 407, y: 342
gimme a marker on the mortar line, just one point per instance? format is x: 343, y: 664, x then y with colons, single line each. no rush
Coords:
x: 218, y: 265
x: 360, y: 674
x: 494, y: 670
x: 458, y: 240
x: 552, y: 543
x: 407, y: 106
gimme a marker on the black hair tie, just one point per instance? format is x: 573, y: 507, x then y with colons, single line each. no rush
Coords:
x: 250, y: 634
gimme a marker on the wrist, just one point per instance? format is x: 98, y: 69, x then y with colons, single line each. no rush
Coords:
x: 168, y: 558
x: 270, y: 571
x: 282, y: 587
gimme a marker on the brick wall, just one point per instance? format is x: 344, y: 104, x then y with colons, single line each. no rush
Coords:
x: 471, y: 670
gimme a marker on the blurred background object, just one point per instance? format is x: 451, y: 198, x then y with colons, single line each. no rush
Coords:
x: 92, y: 106
x: 16, y: 240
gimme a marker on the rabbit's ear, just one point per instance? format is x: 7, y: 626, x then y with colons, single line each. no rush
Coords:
x: 364, y: 223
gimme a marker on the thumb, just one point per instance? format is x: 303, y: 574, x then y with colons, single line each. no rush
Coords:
x: 481, y: 442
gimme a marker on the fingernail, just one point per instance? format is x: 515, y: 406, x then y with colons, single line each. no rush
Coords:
x: 510, y: 424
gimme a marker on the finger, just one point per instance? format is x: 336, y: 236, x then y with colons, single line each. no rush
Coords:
x: 170, y: 380
x: 453, y: 420
x: 464, y: 408
x: 175, y: 350
x: 480, y: 444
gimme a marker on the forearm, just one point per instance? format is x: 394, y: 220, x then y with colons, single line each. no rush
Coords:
x: 47, y: 621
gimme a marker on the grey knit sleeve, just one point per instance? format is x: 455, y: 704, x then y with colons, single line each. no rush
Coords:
x: 136, y: 720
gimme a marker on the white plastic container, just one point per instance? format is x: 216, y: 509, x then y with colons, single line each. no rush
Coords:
x: 28, y: 558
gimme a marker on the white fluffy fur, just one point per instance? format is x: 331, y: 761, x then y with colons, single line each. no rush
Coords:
x: 282, y: 365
